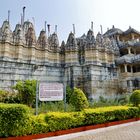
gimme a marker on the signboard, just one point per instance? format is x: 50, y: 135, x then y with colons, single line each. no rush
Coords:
x: 50, y: 91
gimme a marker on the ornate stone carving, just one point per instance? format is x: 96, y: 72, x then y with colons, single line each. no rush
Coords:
x: 99, y: 38
x: 71, y: 42
x: 6, y: 33
x: 42, y: 39
x: 90, y: 38
x: 53, y: 41
x: 30, y: 37
x: 18, y: 36
x: 62, y: 47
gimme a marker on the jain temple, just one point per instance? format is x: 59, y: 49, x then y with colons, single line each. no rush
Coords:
x: 105, y: 64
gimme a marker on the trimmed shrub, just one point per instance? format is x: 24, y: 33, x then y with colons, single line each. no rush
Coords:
x: 108, y: 114
x: 16, y: 120
x: 135, y: 98
x: 59, y: 121
x: 38, y: 124
x: 79, y: 100
x: 13, y: 120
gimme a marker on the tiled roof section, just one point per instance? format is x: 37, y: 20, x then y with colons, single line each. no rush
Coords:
x: 113, y: 31
x: 131, y: 30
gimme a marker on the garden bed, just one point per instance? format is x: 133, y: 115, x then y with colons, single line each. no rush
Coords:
x: 73, y: 130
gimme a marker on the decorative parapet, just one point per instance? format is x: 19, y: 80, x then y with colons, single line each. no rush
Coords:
x: 128, y: 59
x: 133, y: 43
x: 136, y: 58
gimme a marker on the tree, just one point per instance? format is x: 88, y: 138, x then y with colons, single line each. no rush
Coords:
x: 135, y: 98
x: 78, y: 100
x: 27, y: 91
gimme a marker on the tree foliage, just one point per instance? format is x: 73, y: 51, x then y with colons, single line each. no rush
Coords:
x: 135, y: 98
x: 27, y: 91
x: 9, y: 97
x: 79, y: 100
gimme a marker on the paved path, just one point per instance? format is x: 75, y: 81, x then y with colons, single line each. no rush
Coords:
x: 129, y: 131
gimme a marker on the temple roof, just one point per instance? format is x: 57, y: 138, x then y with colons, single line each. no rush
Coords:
x: 113, y: 31
x: 131, y: 30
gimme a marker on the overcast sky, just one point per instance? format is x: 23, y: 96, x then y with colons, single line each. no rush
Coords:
x: 64, y: 13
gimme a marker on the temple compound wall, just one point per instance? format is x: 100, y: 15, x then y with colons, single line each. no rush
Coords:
x: 87, y: 62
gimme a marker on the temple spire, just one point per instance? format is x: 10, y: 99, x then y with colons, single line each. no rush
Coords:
x: 101, y: 29
x: 23, y: 14
x: 45, y: 25
x: 48, y: 25
x: 21, y: 19
x: 92, y: 25
x: 73, y: 28
x: 8, y: 15
x: 56, y: 29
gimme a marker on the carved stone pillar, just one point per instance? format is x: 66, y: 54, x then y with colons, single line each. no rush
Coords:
x: 129, y: 50
x: 118, y: 39
x: 131, y: 69
x: 133, y: 37
x: 125, y: 67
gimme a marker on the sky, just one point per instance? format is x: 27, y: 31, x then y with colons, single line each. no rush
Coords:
x: 64, y: 13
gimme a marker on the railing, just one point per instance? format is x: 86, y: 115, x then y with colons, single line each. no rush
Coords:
x: 136, y: 58
x: 128, y: 43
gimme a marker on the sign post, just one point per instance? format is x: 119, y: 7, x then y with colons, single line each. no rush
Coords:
x: 50, y: 91
x: 36, y: 111
x: 64, y: 97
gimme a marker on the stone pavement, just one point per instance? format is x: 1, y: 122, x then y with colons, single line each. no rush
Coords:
x: 129, y: 131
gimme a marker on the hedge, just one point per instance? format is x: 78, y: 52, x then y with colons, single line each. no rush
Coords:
x: 16, y: 120
x: 60, y: 121
x: 38, y: 124
x: 109, y: 114
x: 13, y: 119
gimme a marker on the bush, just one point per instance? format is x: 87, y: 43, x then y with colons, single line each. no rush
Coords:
x: 9, y: 97
x: 79, y: 100
x: 27, y: 91
x: 38, y: 124
x: 116, y: 101
x: 13, y: 119
x: 135, y: 98
x: 16, y: 120
x: 59, y: 121
x: 108, y: 114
